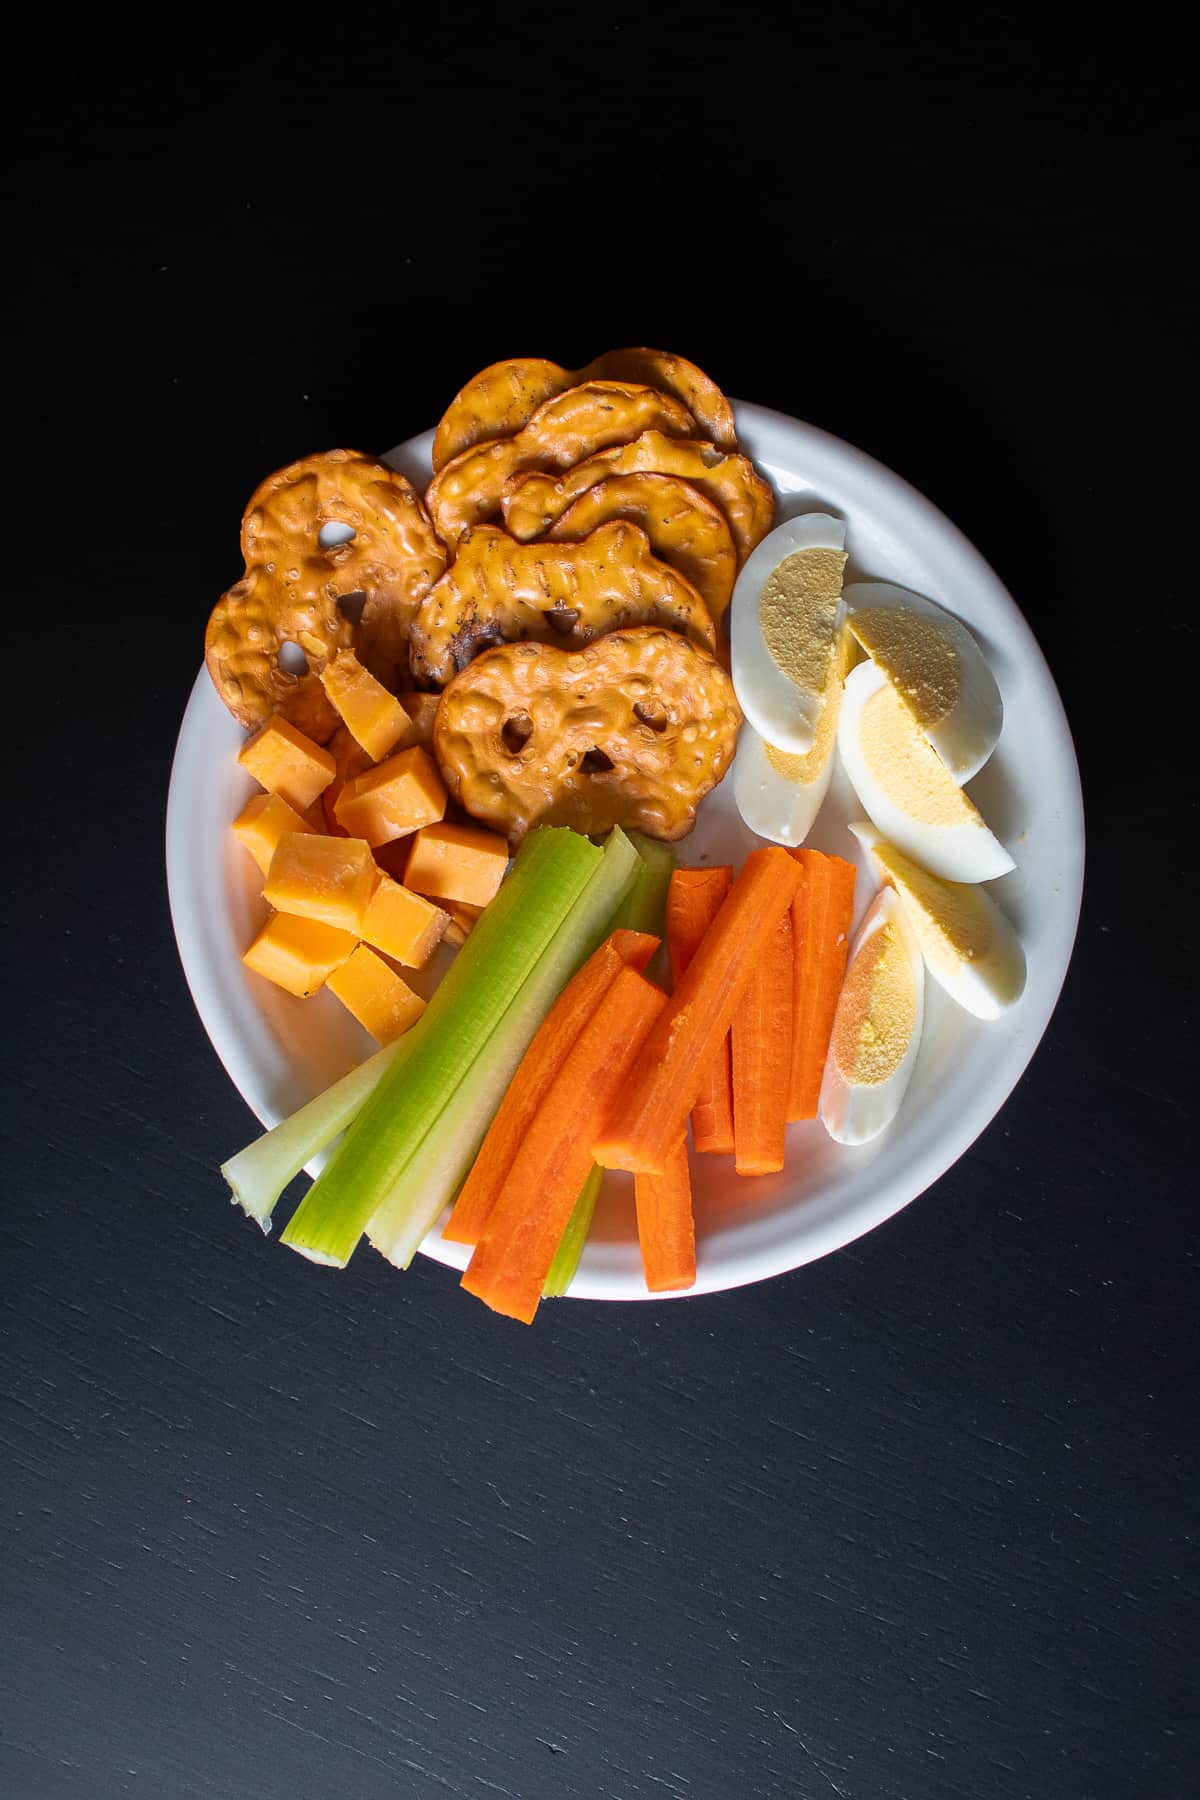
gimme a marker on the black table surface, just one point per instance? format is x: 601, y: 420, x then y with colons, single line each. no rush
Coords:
x: 915, y: 1521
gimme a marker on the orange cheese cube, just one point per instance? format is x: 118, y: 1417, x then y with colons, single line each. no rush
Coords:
x: 392, y: 857
x: 374, y: 718
x: 298, y: 954
x: 402, y: 924
x: 326, y: 878
x: 457, y: 862
x: 286, y: 763
x: 262, y: 822
x: 350, y: 759
x: 375, y: 995
x: 422, y: 711
x: 393, y: 798
x: 463, y: 920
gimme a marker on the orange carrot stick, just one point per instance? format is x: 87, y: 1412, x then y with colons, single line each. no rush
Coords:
x: 666, y: 1229
x: 667, y: 1077
x: 693, y: 902
x: 821, y: 915
x: 516, y: 1247
x: 762, y: 1058
x: 540, y: 1064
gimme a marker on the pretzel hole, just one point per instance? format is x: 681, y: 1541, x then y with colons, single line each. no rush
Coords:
x: 516, y: 732
x: 351, y: 606
x: 595, y: 762
x: 292, y: 660
x: 650, y: 715
x: 563, y: 619
x: 333, y: 534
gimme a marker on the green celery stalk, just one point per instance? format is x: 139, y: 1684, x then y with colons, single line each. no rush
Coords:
x: 643, y: 909
x: 570, y: 1248
x: 440, y: 1165
x: 259, y: 1173
x: 552, y: 870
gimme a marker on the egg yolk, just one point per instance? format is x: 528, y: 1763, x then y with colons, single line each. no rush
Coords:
x: 877, y: 1011
x: 797, y: 613
x: 906, y: 768
x: 951, y: 920
x: 916, y: 656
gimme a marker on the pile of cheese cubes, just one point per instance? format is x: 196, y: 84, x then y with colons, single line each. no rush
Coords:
x: 386, y: 879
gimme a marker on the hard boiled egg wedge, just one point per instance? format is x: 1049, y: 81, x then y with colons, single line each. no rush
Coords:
x: 936, y: 668
x: 778, y: 794
x: 877, y: 1026
x: 968, y: 945
x: 785, y: 619
x: 906, y: 789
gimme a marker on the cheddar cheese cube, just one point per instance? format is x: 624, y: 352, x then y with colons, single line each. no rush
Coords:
x: 392, y: 799
x: 298, y: 954
x: 374, y: 718
x: 376, y: 995
x: 402, y: 924
x: 457, y: 862
x: 463, y: 920
x: 391, y: 858
x: 287, y: 763
x: 326, y: 878
x: 262, y: 822
x: 350, y: 759
x: 422, y: 711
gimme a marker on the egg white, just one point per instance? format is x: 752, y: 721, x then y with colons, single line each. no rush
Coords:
x: 777, y: 802
x: 771, y: 805
x: 985, y: 984
x: 853, y: 1111
x: 963, y: 851
x: 780, y: 710
x: 964, y: 736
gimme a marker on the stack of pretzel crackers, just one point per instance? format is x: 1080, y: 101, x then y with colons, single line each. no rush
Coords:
x: 561, y: 586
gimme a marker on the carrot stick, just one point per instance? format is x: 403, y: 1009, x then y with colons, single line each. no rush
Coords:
x: 693, y: 901
x: 762, y: 1058
x: 667, y: 1077
x: 540, y: 1064
x: 516, y: 1247
x: 821, y: 915
x: 666, y: 1229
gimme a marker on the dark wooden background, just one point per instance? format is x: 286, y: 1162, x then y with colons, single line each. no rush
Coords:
x: 914, y: 1523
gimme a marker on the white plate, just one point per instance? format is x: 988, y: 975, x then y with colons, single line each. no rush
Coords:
x: 280, y: 1051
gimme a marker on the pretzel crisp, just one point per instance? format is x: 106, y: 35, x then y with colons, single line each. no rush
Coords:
x: 496, y: 403
x: 633, y: 730
x: 497, y: 591
x: 564, y: 430
x: 291, y: 590
x: 502, y: 398
x: 684, y: 528
x: 533, y: 501
x: 249, y: 626
x: 676, y: 376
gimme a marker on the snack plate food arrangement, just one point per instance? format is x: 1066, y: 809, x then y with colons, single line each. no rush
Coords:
x: 794, y: 822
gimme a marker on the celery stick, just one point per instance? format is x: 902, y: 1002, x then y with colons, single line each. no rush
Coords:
x: 439, y: 1166
x: 550, y: 873
x: 259, y: 1173
x: 644, y: 907
x: 566, y: 1258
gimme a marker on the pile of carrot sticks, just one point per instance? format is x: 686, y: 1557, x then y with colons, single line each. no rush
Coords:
x: 618, y: 1067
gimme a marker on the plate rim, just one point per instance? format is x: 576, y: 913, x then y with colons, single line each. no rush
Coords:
x: 923, y: 1167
